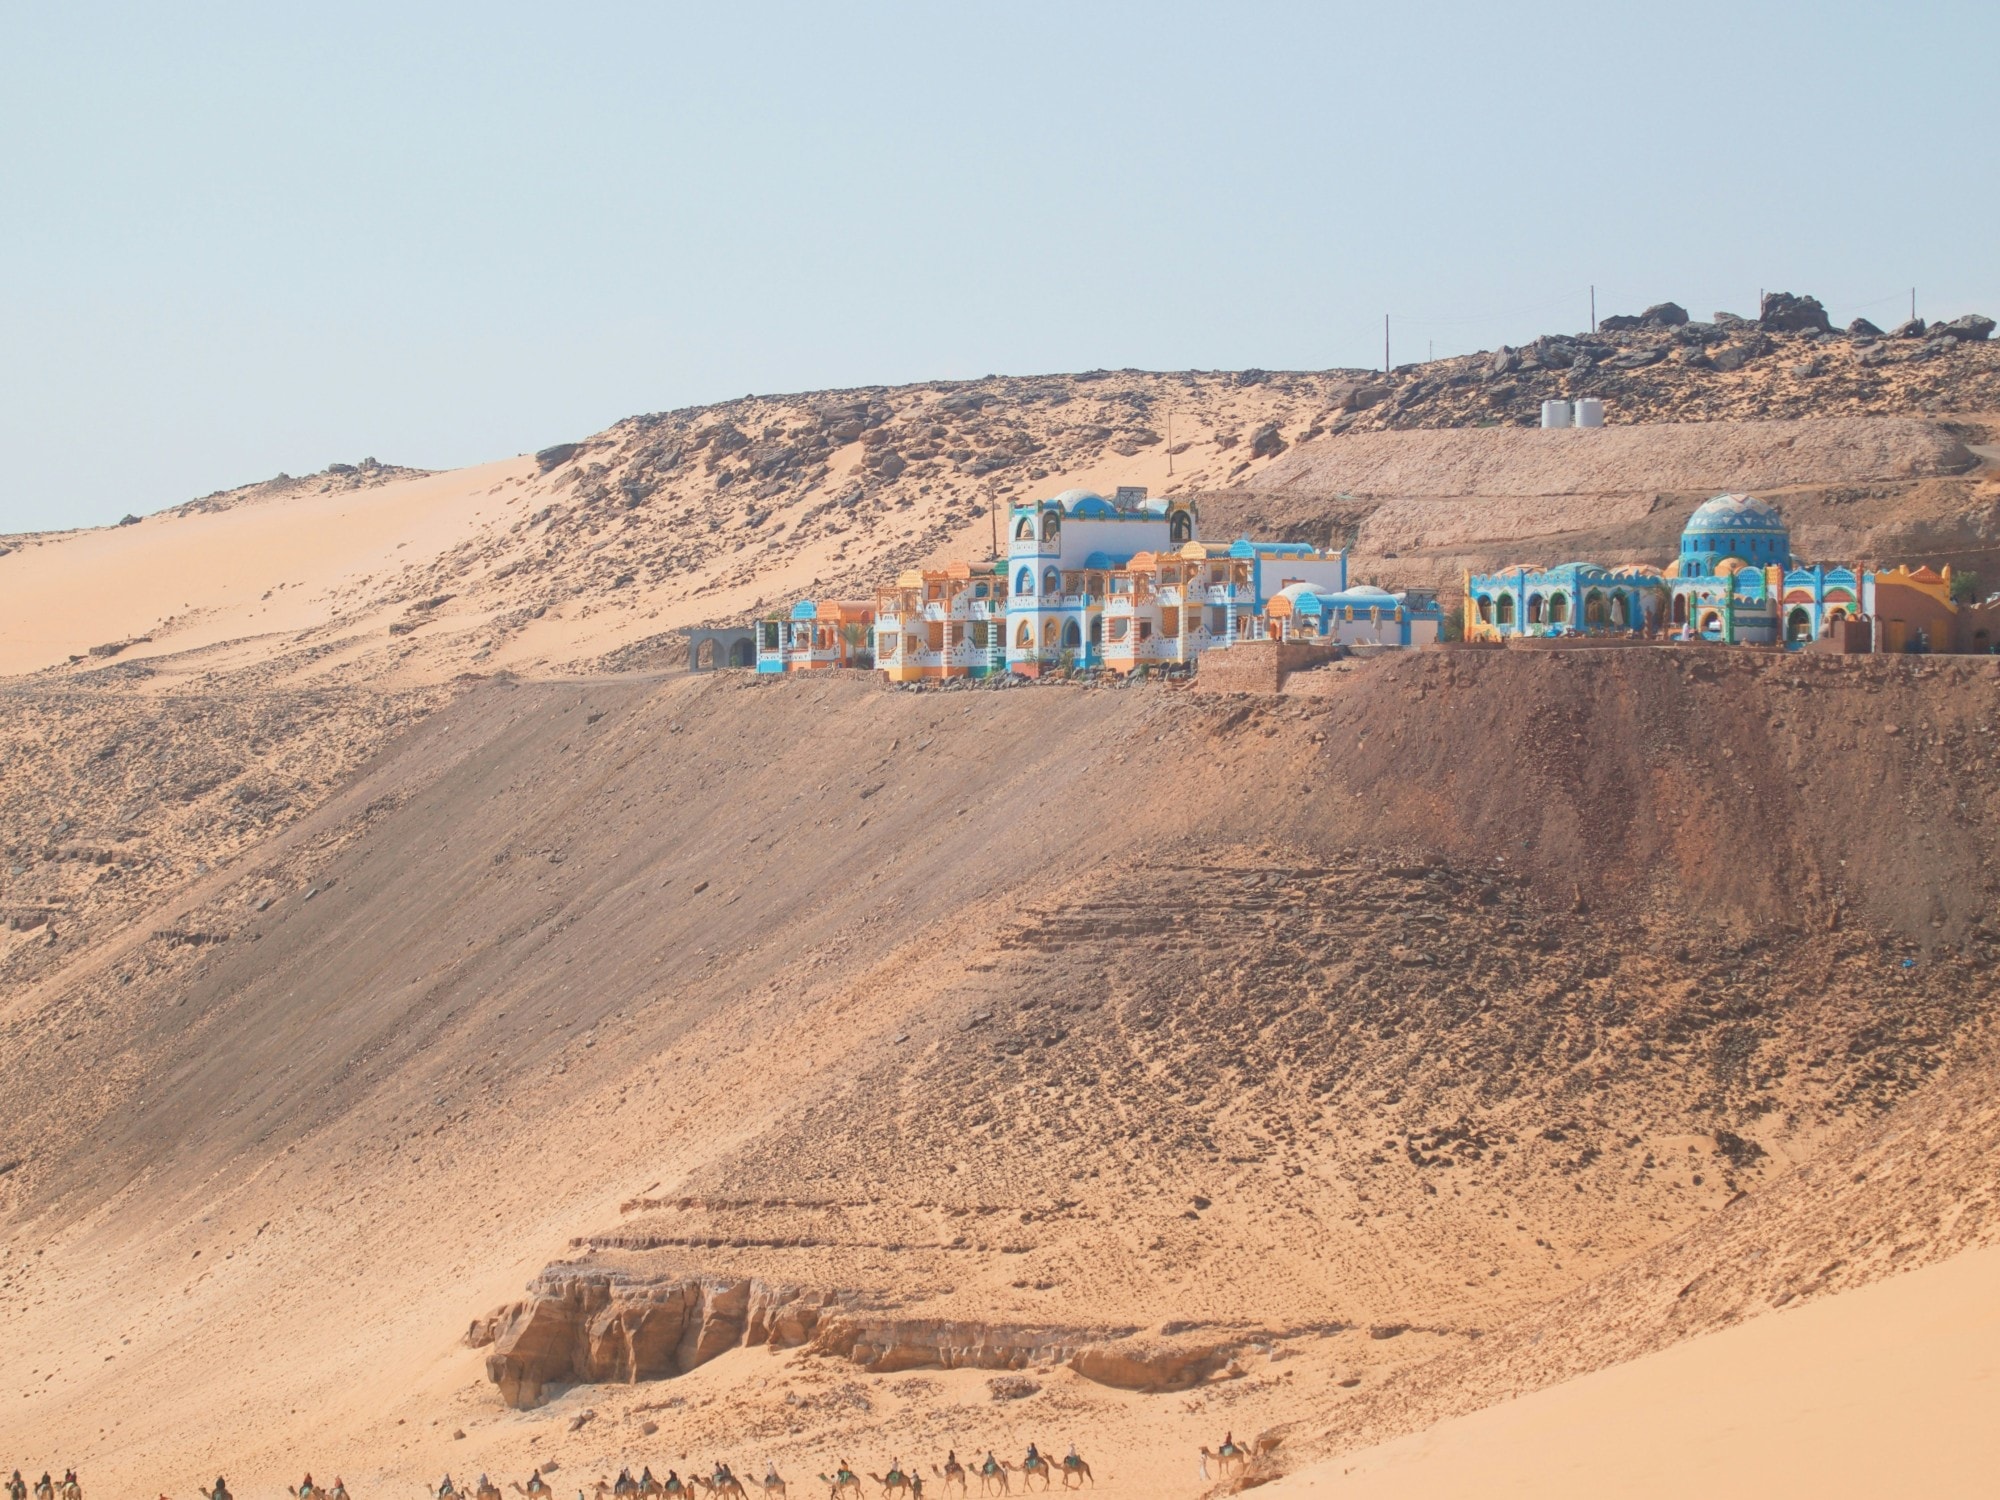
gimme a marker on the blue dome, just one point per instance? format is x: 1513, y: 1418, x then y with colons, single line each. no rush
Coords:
x: 1739, y: 526
x: 1735, y: 513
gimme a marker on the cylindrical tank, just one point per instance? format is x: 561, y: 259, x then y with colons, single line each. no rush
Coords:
x: 1590, y: 411
x: 1555, y: 414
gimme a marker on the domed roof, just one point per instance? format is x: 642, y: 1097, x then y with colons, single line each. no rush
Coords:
x: 1368, y: 590
x: 1671, y: 570
x: 1729, y: 567
x: 1735, y: 513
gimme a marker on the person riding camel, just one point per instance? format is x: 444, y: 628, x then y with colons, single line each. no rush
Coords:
x: 221, y: 1490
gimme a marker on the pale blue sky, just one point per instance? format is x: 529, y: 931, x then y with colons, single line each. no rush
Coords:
x: 239, y: 239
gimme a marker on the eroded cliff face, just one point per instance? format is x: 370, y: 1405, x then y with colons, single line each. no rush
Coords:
x: 592, y: 1326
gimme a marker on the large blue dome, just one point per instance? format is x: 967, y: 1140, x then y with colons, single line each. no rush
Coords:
x: 1740, y: 526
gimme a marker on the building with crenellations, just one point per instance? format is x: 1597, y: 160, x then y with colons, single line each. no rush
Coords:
x: 1125, y: 584
x: 1735, y: 582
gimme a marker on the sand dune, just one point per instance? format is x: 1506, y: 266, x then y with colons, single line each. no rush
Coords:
x: 1893, y: 1389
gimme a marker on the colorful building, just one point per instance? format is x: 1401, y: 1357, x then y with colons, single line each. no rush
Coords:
x: 1577, y: 598
x: 942, y: 622
x: 1913, y: 610
x: 1735, y: 582
x: 818, y: 635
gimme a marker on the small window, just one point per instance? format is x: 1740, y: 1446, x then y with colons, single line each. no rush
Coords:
x: 1024, y: 529
x: 1051, y: 581
x: 1024, y: 583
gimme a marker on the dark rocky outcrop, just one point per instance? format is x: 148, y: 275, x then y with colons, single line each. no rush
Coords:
x: 1781, y: 312
x: 1663, y: 315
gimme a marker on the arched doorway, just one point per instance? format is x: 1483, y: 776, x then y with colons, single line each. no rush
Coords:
x: 1024, y: 638
x: 704, y: 656
x: 1072, y: 638
x: 1051, y: 633
x: 742, y: 654
x: 1534, y: 609
x: 1180, y: 528
x: 1621, y: 612
x: 1051, y: 581
x: 1798, y: 625
x: 1559, y: 609
x: 1711, y: 622
x: 1096, y: 631
x: 1596, y: 611
x: 1485, y: 608
x: 1680, y: 615
x: 1503, y: 610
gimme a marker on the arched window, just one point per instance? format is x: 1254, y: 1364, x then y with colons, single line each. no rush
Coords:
x: 1097, y: 630
x: 1503, y: 610
x: 981, y: 591
x: 1621, y: 611
x: 1180, y: 528
x: 1534, y: 609
x: 1485, y: 610
x: 1595, y: 610
x: 1024, y: 638
x: 1024, y: 529
x: 1024, y: 583
x: 1071, y: 636
x: 1051, y: 526
x: 1051, y: 632
x: 1559, y: 609
x: 1051, y: 581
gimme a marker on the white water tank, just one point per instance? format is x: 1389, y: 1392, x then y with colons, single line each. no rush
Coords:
x: 1590, y: 411
x: 1555, y: 414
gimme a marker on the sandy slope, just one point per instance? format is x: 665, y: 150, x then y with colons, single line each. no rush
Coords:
x: 571, y: 946
x: 1893, y: 1389
x: 371, y: 946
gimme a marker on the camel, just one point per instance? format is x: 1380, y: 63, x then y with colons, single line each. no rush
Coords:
x: 445, y: 1490
x: 17, y: 1487
x: 993, y: 1476
x: 1075, y: 1471
x: 895, y: 1484
x: 339, y: 1490
x: 844, y: 1485
x: 724, y: 1483
x: 674, y: 1488
x: 1035, y: 1465
x: 952, y: 1477
x: 772, y: 1486
x: 220, y: 1492
x: 487, y: 1490
x: 649, y: 1487
x: 537, y: 1488
x: 69, y: 1489
x: 1229, y: 1460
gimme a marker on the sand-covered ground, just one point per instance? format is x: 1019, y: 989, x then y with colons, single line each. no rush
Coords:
x: 390, y: 935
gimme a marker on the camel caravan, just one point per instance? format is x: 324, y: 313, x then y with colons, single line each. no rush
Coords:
x: 1037, y: 1472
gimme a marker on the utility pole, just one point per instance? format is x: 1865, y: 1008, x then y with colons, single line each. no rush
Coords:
x: 1170, y: 443
x: 1385, y: 343
x: 1593, y: 307
x: 1913, y: 304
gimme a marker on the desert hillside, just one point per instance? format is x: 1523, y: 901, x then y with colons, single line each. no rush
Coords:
x: 696, y: 974
x: 593, y: 555
x: 440, y: 1033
